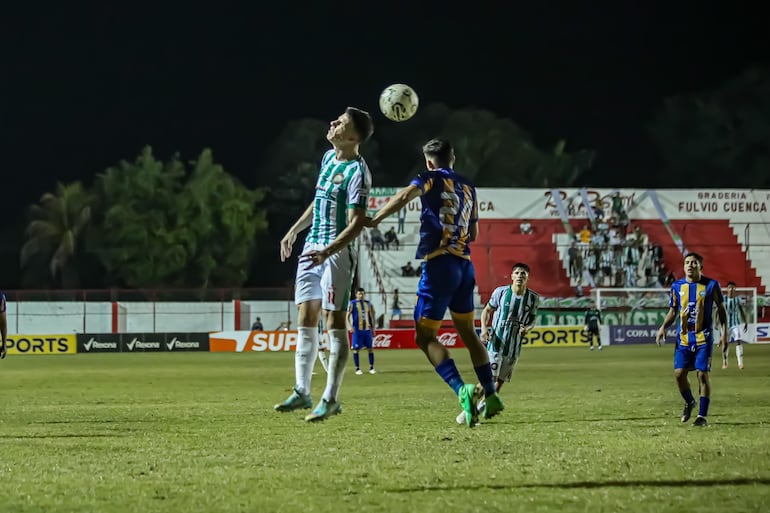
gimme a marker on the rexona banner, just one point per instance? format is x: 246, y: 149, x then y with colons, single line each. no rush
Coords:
x: 246, y: 341
x: 41, y: 344
x: 141, y: 342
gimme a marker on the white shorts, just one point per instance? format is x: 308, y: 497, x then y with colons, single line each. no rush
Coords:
x: 502, y: 367
x: 735, y: 333
x: 330, y: 282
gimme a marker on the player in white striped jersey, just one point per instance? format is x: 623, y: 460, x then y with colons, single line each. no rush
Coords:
x: 325, y: 270
x: 514, y: 309
x: 735, y: 333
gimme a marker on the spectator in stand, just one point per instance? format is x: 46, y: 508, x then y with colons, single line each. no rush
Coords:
x: 584, y: 236
x: 572, y: 254
x: 525, y: 227
x: 257, y: 326
x: 598, y: 210
x: 391, y: 238
x: 378, y: 242
x: 401, y: 220
x: 617, y: 205
x: 408, y: 270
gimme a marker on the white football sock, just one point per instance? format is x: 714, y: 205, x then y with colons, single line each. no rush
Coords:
x: 323, y: 357
x: 338, y: 359
x: 739, y: 354
x: 304, y: 357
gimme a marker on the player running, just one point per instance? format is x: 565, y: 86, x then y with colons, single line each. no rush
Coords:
x: 448, y: 224
x: 514, y: 309
x: 735, y: 317
x: 327, y: 264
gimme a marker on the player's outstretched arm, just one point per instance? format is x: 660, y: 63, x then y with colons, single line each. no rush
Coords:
x: 722, y: 315
x: 743, y: 316
x: 396, y: 203
x: 291, y: 236
x: 357, y: 221
x: 661, y: 336
x: 485, y: 313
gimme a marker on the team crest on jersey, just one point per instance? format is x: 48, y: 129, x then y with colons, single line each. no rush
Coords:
x: 337, y: 179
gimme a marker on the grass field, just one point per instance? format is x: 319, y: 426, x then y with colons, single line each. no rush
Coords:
x: 582, y: 431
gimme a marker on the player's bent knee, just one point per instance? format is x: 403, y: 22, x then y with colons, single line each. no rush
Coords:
x: 425, y: 324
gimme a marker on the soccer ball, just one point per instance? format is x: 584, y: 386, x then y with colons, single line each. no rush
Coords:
x: 398, y: 102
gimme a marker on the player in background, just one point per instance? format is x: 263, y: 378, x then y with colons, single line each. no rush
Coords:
x: 448, y: 224
x: 326, y: 267
x: 735, y: 317
x: 593, y: 322
x: 361, y: 325
x: 3, y: 326
x: 692, y: 301
x: 513, y: 309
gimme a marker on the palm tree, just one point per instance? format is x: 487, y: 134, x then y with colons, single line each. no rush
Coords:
x: 55, y: 232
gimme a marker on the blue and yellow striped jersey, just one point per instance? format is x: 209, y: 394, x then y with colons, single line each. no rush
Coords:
x: 694, y: 304
x: 449, y: 208
x: 361, y: 313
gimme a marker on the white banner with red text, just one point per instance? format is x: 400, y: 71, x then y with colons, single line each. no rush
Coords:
x: 737, y: 205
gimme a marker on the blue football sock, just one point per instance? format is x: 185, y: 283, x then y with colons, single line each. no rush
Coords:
x: 355, y: 359
x: 687, y: 395
x: 484, y: 373
x: 371, y: 360
x: 703, y: 409
x: 449, y: 373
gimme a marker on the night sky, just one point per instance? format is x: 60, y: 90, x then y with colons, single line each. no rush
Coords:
x: 84, y: 88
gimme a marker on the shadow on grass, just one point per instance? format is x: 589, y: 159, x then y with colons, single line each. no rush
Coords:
x: 98, y: 421
x: 677, y: 483
x: 64, y: 435
x: 572, y: 420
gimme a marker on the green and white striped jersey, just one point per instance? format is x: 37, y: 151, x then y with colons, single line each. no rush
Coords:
x: 733, y: 307
x: 511, y: 313
x: 341, y: 185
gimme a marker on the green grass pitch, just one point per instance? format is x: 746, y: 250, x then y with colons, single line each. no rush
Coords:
x: 582, y: 431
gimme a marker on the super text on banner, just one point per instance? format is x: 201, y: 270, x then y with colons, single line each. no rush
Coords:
x: 41, y: 344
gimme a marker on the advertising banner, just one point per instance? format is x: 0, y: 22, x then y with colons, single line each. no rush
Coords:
x: 642, y: 334
x: 141, y: 342
x: 738, y: 205
x: 247, y: 341
x: 638, y: 334
x: 98, y: 343
x: 556, y: 336
x: 41, y: 344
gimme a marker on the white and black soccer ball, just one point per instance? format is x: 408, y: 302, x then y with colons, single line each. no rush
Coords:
x: 399, y: 102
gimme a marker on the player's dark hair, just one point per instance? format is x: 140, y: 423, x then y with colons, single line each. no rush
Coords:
x: 696, y: 256
x: 731, y: 283
x: 520, y: 265
x: 360, y: 289
x: 440, y: 151
x: 362, y: 122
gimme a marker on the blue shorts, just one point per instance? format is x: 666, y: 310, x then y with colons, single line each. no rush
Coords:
x: 362, y: 339
x: 694, y: 357
x: 446, y: 281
